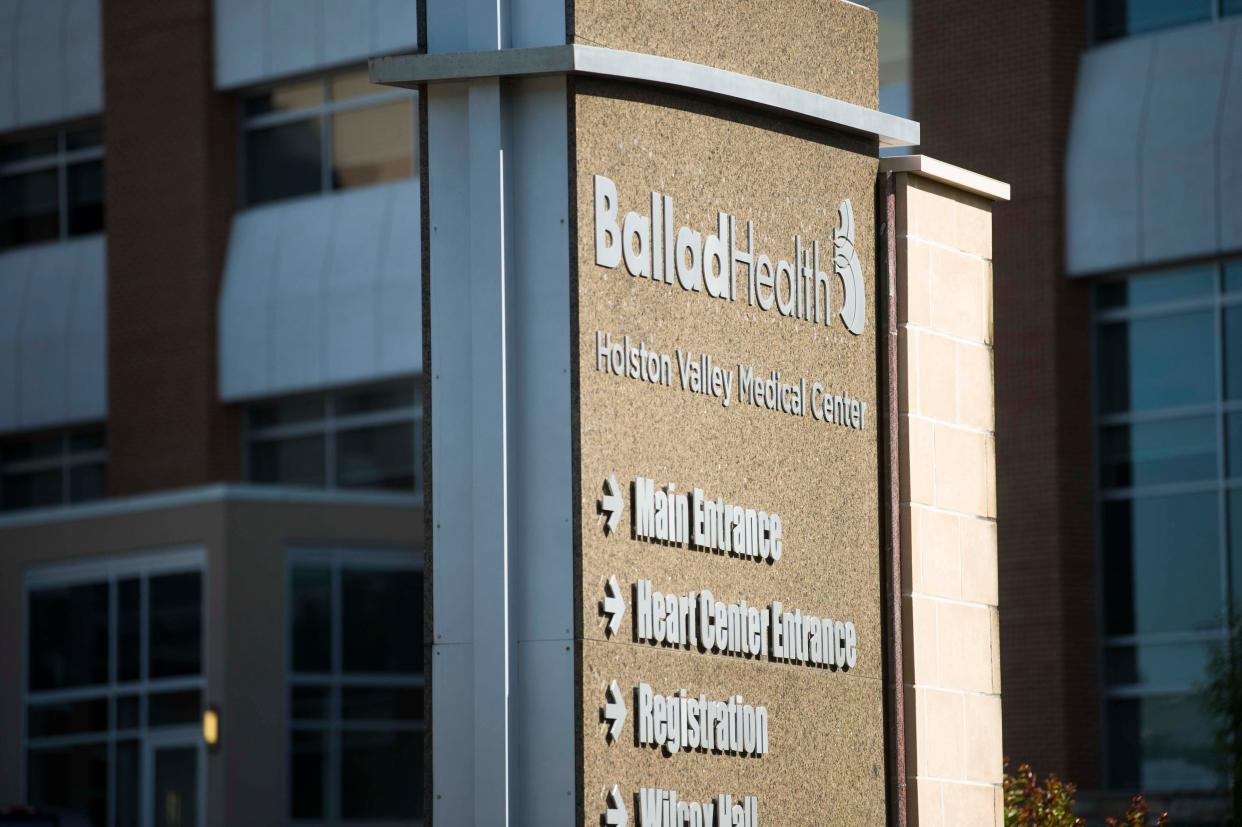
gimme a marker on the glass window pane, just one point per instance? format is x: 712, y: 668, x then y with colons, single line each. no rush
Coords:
x: 86, y: 439
x: 1162, y: 564
x: 381, y: 775
x: 67, y: 718
x: 1233, y: 444
x: 41, y: 446
x: 285, y: 98
x: 308, y: 774
x: 372, y: 145
x: 289, y: 410
x: 308, y: 703
x: 87, y: 482
x: 68, y: 642
x: 382, y: 621
x: 1149, y: 453
x: 1235, y: 545
x: 127, y: 712
x: 1117, y: 18
x: 84, y: 137
x: 312, y: 619
x: 1162, y: 744
x: 29, y: 208
x: 24, y: 150
x: 174, y: 796
x: 128, y: 776
x: 171, y: 708
x: 175, y: 618
x: 385, y: 397
x: 33, y: 489
x: 378, y: 457
x: 85, y: 188
x: 1233, y: 269
x: 1158, y: 665
x: 356, y: 84
x: 1158, y: 288
x: 1233, y: 352
x: 73, y: 778
x: 292, y: 461
x: 128, y: 629
x: 1147, y: 364
x: 381, y: 703
x: 284, y: 161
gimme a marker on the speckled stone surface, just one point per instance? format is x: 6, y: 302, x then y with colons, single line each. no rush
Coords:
x: 827, y: 733
x: 824, y: 46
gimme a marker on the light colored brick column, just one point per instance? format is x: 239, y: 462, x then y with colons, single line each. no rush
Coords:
x: 950, y: 646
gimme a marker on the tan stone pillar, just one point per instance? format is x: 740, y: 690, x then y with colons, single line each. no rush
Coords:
x: 950, y: 646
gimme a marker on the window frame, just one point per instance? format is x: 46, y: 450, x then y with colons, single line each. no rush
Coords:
x: 333, y: 725
x: 113, y: 569
x: 1221, y: 484
x: 65, y: 460
x: 323, y: 112
x: 330, y: 425
x: 61, y: 160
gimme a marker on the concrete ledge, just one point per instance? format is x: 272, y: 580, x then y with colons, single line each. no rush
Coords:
x: 234, y: 492
x: 411, y: 70
x: 947, y: 174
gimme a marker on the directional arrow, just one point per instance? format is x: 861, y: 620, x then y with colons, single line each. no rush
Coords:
x: 616, y: 814
x: 614, y: 710
x: 613, y: 605
x: 612, y: 503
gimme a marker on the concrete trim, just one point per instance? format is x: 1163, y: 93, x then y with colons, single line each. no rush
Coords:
x: 234, y: 492
x: 412, y: 70
x: 947, y: 174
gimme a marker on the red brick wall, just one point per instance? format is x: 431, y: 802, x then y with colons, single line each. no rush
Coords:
x: 993, y: 87
x: 171, y: 173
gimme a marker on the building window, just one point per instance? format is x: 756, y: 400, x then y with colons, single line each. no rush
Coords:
x: 365, y: 437
x: 1121, y: 18
x: 1169, y: 459
x: 355, y: 645
x: 114, y: 684
x: 51, y: 186
x: 52, y: 468
x: 326, y: 134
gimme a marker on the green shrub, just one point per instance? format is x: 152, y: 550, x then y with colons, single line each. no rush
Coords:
x: 1028, y: 803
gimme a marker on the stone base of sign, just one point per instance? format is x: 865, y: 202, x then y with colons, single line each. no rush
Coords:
x: 947, y: 449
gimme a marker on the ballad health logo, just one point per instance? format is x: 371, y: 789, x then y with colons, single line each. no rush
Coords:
x: 651, y: 248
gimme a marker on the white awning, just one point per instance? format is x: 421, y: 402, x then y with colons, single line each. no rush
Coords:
x: 53, y: 338
x: 322, y: 291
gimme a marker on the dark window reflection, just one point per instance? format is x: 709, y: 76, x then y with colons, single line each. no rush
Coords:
x: 293, y: 461
x: 74, y: 778
x: 1150, y: 453
x: 1162, y: 744
x: 1118, y: 18
x: 1148, y: 364
x: 1158, y: 288
x: 1233, y: 352
x: 68, y: 636
x: 1162, y: 568
x: 308, y: 774
x: 175, y: 619
x: 85, y: 188
x: 283, y: 161
x: 376, y: 457
x: 312, y: 619
x: 1177, y: 666
x: 29, y: 208
x: 378, y: 775
x: 375, y: 605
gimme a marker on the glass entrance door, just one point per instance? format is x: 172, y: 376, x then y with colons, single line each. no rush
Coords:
x: 174, y: 781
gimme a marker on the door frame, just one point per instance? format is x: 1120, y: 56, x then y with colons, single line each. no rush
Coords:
x: 172, y: 738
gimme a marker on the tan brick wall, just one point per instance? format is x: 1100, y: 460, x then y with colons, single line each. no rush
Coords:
x: 951, y: 643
